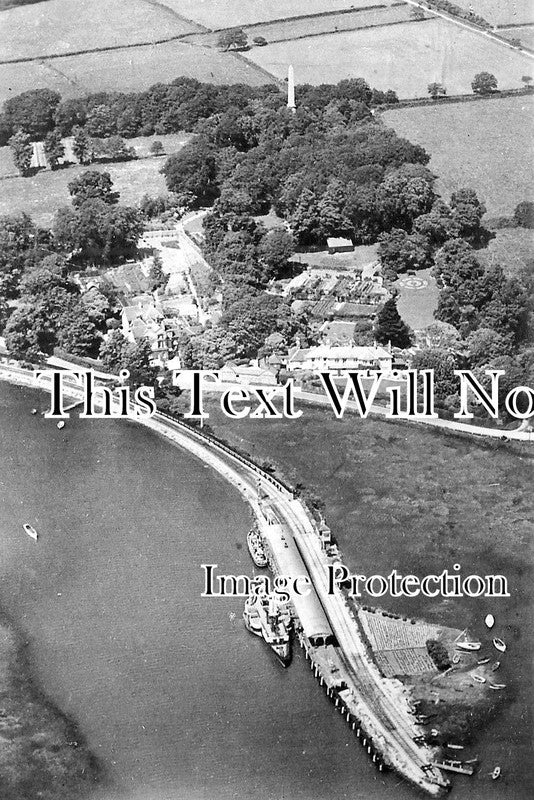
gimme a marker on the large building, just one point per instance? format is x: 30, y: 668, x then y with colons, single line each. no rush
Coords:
x: 325, y: 358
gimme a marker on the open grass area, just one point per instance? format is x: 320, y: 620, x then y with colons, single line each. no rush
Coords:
x: 404, y: 57
x: 418, y: 299
x: 524, y: 34
x: 485, y: 145
x: 63, y: 26
x: 42, y: 194
x: 129, y: 70
x: 215, y: 14
x: 282, y: 30
x: 501, y: 12
x: 513, y: 249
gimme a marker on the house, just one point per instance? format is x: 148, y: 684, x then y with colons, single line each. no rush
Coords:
x: 337, y: 244
x: 338, y: 359
x: 248, y: 374
x: 145, y: 320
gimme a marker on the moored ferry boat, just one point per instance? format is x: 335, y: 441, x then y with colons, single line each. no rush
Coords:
x: 264, y: 617
x: 256, y: 548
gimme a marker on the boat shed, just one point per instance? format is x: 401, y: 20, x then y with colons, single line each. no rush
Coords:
x: 289, y: 563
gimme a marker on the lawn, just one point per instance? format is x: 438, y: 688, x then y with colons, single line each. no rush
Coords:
x: 418, y: 299
x: 484, y: 144
x: 129, y: 70
x: 63, y: 26
x: 41, y: 195
x: 227, y: 13
x: 404, y: 57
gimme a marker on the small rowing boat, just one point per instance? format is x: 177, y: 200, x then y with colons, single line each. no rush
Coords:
x: 482, y: 661
x: 490, y: 621
x: 469, y: 646
x: 30, y: 530
x: 496, y: 773
x: 479, y: 679
x: 496, y: 666
x: 455, y: 746
x: 497, y: 686
x: 499, y: 645
x: 61, y: 424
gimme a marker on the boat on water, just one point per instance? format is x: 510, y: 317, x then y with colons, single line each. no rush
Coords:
x: 469, y: 646
x: 456, y: 658
x: 479, y: 679
x: 434, y: 732
x: 499, y: 645
x: 256, y: 548
x: 61, y: 424
x: 266, y: 617
x: 497, y: 686
x: 30, y: 530
x: 455, y: 746
x: 482, y: 661
x: 496, y: 666
x: 34, y: 411
x: 496, y: 773
x: 490, y: 621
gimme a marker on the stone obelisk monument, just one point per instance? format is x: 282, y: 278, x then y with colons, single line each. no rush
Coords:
x: 291, y: 89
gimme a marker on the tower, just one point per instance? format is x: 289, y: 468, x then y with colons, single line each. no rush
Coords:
x: 291, y: 88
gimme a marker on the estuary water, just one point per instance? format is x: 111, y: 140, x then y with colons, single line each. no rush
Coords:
x: 172, y: 693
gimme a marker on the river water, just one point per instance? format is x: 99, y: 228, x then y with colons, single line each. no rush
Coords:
x: 176, y: 698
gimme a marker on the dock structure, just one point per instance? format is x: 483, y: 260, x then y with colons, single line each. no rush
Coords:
x: 376, y: 707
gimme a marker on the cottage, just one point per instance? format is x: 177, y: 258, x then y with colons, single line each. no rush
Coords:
x: 248, y: 374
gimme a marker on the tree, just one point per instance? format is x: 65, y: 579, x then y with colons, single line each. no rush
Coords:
x: 114, y: 148
x: 399, y: 251
x: 275, y: 250
x: 484, y: 83
x: 193, y: 169
x: 305, y: 220
x: 443, y: 364
x: 156, y: 277
x: 389, y: 326
x: 235, y: 39
x: 467, y: 213
x: 484, y: 345
x: 156, y: 148
x: 101, y: 121
x: 81, y: 145
x: 436, y: 89
x: 331, y: 208
x: 32, y: 111
x: 4, y: 312
x: 54, y: 148
x: 76, y: 333
x: 92, y: 185
x: 22, y: 150
x: 402, y: 197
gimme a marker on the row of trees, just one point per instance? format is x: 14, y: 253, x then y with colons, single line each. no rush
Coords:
x: 164, y: 108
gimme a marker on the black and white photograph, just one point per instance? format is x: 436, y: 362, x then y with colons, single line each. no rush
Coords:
x: 266, y: 399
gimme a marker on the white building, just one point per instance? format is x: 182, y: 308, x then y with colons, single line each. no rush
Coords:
x: 339, y: 359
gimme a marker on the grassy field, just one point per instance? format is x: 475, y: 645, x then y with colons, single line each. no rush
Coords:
x: 405, y: 58
x: 526, y: 34
x: 501, y: 12
x: 418, y: 298
x: 486, y: 145
x: 128, y: 70
x: 226, y: 13
x: 41, y: 195
x: 297, y: 28
x: 513, y: 249
x: 63, y: 26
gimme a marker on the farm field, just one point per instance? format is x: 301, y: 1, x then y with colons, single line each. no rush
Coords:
x: 330, y: 23
x: 405, y: 58
x: 216, y: 14
x: 526, y: 34
x: 41, y: 195
x: 129, y: 70
x: 418, y: 298
x: 501, y: 12
x: 63, y: 26
x: 484, y: 144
